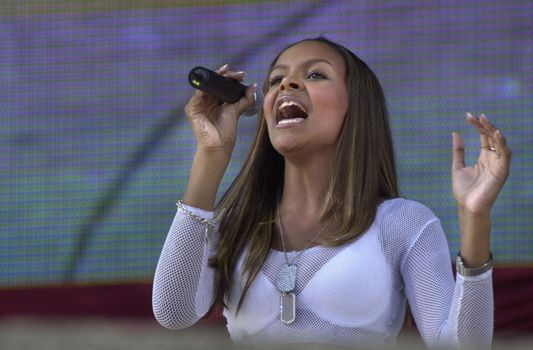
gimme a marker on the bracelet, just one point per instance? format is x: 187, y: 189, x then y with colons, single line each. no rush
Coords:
x: 470, y: 272
x: 204, y: 221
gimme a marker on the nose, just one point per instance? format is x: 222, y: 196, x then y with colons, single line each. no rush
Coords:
x: 290, y: 83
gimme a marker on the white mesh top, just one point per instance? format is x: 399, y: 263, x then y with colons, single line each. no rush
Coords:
x: 354, y: 294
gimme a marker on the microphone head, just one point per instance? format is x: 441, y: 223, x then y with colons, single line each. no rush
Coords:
x: 258, y: 104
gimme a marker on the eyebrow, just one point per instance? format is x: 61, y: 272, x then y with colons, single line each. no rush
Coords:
x: 306, y: 63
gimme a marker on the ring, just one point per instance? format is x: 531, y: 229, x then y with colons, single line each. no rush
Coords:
x: 490, y: 148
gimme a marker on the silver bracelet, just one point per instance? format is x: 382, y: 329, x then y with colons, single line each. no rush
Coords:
x: 470, y: 272
x: 181, y: 207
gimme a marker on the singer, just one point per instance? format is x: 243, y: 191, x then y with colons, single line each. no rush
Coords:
x: 312, y: 242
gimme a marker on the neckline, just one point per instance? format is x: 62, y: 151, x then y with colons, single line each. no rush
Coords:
x: 315, y: 247
x: 380, y: 207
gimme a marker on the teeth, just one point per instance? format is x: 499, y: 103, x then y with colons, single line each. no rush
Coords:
x: 291, y: 121
x: 290, y: 103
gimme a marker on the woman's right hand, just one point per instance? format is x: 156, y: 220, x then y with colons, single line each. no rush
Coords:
x: 214, y: 124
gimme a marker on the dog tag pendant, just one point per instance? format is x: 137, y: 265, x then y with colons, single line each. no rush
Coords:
x: 286, y: 284
x: 287, y: 307
x: 287, y: 278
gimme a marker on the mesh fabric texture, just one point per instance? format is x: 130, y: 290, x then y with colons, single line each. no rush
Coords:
x: 354, y: 294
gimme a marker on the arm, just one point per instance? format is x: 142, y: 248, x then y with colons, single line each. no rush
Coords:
x: 462, y: 313
x: 476, y: 187
x: 183, y: 288
x: 215, y: 129
x: 448, y: 313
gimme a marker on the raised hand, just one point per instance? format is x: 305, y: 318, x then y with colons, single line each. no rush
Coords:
x: 476, y: 187
x: 215, y: 124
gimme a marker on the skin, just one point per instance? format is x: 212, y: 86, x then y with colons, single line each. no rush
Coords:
x: 308, y: 149
x: 314, y: 74
x: 476, y: 187
x: 215, y: 128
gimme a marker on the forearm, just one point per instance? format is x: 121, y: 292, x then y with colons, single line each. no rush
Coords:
x: 183, y: 289
x: 475, y: 237
x: 471, y: 320
x: 448, y: 313
x: 206, y: 174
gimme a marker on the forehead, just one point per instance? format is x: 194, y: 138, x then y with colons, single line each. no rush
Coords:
x: 310, y: 50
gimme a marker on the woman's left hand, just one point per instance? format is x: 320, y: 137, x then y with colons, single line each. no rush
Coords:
x: 476, y: 187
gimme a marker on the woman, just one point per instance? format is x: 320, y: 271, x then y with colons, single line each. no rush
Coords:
x: 312, y: 242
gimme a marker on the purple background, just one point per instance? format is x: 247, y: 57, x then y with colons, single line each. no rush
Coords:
x: 95, y: 149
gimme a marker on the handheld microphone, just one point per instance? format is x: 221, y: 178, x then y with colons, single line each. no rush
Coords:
x: 225, y: 89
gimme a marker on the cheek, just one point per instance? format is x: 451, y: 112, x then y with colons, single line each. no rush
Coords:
x: 332, y: 103
x: 268, y: 103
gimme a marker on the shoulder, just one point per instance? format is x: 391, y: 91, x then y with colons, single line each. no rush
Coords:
x: 401, y: 221
x: 402, y: 210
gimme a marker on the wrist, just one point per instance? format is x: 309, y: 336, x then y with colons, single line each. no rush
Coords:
x: 465, y: 270
x: 470, y: 222
x: 214, y: 154
x: 475, y: 230
x: 207, y: 171
x: 474, y: 212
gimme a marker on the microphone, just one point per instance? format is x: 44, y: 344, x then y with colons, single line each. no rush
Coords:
x: 225, y: 89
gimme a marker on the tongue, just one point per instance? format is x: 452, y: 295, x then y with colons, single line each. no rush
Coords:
x: 291, y: 112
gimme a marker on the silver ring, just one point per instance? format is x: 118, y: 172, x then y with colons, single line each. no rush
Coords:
x: 490, y: 148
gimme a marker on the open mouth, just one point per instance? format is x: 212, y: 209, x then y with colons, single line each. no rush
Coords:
x: 290, y: 112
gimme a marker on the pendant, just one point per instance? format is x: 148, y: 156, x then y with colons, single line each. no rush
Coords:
x: 287, y: 307
x: 286, y: 281
x: 286, y: 284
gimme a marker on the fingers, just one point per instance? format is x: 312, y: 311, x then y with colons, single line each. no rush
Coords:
x: 491, y: 138
x: 204, y: 105
x: 224, y: 69
x: 458, y: 161
x: 239, y: 76
x: 483, y: 132
x: 247, y: 101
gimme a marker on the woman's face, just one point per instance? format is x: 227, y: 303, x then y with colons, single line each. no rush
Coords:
x: 307, y: 99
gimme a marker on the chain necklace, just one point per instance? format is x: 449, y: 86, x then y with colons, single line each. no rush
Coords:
x: 286, y: 281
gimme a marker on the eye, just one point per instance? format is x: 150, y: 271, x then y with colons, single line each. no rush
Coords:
x: 275, y: 81
x: 316, y: 76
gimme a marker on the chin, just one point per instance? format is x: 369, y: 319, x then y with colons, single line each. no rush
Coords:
x: 287, y: 148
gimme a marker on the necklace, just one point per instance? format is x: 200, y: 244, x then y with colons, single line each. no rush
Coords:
x: 286, y: 281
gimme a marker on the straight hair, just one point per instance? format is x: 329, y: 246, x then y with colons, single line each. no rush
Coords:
x: 362, y: 176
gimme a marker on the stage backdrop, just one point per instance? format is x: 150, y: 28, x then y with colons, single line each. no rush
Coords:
x: 95, y: 148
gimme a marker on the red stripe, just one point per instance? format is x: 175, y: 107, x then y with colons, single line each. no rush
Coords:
x: 513, y: 291
x: 513, y: 298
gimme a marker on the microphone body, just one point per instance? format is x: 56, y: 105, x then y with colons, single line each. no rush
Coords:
x: 223, y: 88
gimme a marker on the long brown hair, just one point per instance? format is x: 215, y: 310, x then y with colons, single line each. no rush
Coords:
x: 363, y: 174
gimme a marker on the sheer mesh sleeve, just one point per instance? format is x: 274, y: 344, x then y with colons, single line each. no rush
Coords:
x: 183, y: 289
x: 448, y: 313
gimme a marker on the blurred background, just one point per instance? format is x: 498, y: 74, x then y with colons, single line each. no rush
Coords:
x: 95, y: 148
